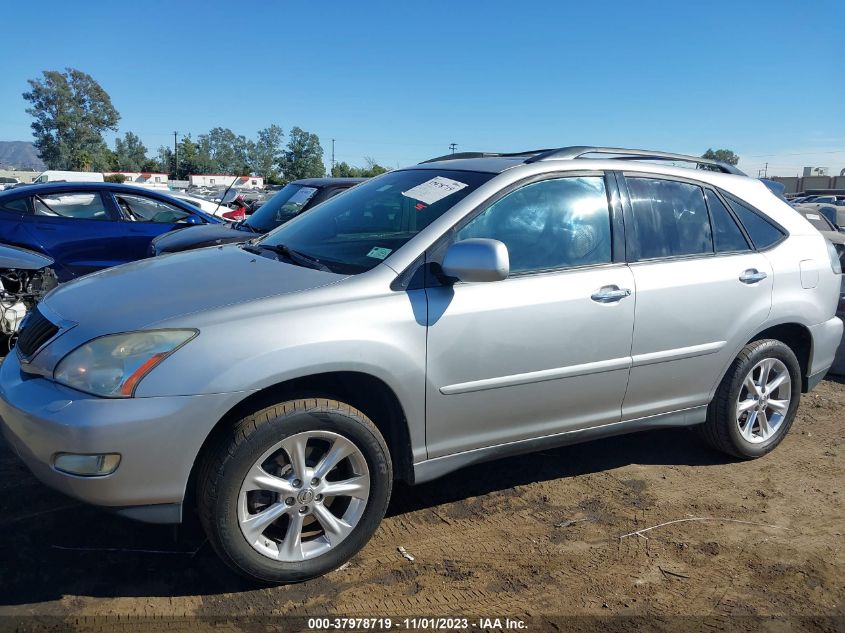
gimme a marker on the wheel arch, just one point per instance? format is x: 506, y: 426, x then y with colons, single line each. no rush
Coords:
x: 365, y: 392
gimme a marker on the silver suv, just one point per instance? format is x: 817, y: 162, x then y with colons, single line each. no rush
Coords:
x: 452, y: 312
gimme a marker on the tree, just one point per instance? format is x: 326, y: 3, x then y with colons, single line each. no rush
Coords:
x: 71, y: 112
x: 130, y: 153
x: 303, y: 156
x: 228, y: 152
x: 723, y: 155
x: 344, y: 170
x: 266, y: 152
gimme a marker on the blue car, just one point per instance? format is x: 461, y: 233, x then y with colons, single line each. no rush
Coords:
x: 87, y: 226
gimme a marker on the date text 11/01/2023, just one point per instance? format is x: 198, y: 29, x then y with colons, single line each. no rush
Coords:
x: 421, y: 623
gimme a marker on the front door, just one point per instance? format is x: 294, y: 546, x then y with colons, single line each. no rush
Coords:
x: 545, y: 351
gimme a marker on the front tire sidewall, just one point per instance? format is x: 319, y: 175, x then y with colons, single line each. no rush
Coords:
x: 230, y: 541
x: 768, y: 349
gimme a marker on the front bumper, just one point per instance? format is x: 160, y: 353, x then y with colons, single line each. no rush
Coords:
x: 158, y: 438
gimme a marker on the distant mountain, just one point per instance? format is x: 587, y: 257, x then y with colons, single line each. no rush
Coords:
x: 20, y: 155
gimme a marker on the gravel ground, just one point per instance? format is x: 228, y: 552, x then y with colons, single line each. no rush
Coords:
x: 541, y: 535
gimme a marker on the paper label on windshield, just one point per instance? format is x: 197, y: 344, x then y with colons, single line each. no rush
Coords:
x: 812, y: 216
x: 379, y: 252
x: 302, y: 196
x: 435, y: 189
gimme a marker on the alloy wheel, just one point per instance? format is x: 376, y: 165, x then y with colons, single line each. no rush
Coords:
x: 303, y: 496
x: 763, y: 400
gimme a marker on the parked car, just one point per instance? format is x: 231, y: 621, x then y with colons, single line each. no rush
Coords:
x: 8, y: 181
x: 88, y: 226
x: 296, y: 197
x: 433, y: 317
x: 827, y: 228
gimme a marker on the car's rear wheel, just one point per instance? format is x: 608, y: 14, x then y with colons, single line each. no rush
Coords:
x: 756, y: 401
x: 294, y: 490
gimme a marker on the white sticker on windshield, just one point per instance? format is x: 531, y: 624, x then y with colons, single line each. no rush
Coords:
x: 379, y: 252
x: 435, y: 189
x: 812, y: 216
x: 384, y: 188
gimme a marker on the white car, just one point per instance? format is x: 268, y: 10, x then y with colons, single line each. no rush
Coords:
x: 208, y: 206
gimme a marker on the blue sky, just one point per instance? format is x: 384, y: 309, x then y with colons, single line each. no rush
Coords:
x: 400, y: 80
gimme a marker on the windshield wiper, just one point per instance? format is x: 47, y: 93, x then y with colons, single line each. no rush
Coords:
x: 292, y: 255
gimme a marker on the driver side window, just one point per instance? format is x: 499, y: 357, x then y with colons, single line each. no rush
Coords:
x: 559, y: 223
x: 143, y: 209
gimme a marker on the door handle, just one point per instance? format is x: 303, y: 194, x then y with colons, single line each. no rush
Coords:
x: 752, y: 276
x: 610, y: 294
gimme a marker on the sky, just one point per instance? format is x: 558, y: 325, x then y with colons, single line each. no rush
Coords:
x: 399, y: 81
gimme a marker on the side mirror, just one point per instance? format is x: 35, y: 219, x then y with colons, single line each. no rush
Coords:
x: 477, y: 259
x: 193, y: 219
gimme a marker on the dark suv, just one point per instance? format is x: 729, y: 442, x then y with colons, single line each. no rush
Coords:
x: 293, y: 199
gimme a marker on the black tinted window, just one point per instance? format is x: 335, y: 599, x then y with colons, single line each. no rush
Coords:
x: 762, y: 232
x: 21, y: 205
x: 670, y: 218
x: 549, y: 224
x: 727, y: 236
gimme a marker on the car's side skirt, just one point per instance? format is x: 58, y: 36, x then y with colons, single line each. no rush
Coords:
x: 439, y: 466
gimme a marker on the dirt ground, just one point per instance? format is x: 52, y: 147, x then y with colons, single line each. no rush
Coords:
x: 546, y: 534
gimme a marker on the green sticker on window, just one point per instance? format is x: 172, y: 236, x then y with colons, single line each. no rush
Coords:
x: 379, y: 252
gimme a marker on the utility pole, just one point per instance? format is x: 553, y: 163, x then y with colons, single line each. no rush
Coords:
x: 453, y: 147
x: 332, y: 157
x: 766, y: 173
x: 175, y: 155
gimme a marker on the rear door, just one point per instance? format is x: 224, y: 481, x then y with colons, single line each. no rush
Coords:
x: 77, y: 228
x: 702, y: 291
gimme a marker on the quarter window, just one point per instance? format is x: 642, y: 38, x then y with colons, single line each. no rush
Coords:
x: 550, y: 224
x: 670, y: 218
x: 727, y: 236
x: 762, y: 232
x: 78, y: 206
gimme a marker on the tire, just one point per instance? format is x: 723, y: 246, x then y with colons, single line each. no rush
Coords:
x: 734, y: 404
x: 264, y: 446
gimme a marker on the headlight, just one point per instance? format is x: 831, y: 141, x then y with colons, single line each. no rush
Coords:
x: 112, y: 366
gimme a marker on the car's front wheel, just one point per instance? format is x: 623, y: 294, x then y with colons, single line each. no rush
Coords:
x: 295, y: 490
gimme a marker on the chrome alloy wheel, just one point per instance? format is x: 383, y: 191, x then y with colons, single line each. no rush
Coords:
x: 303, y: 496
x: 763, y: 400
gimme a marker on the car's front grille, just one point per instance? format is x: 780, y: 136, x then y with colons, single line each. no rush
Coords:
x: 37, y: 330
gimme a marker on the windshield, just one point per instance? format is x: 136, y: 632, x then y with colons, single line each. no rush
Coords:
x: 819, y: 221
x: 354, y: 232
x: 281, y: 207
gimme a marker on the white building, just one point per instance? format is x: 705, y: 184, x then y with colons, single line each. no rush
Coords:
x: 141, y: 177
x: 224, y: 180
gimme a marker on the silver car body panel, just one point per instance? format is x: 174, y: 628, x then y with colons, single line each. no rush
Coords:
x: 480, y: 369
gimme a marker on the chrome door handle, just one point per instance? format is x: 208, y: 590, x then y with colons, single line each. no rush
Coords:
x: 610, y: 294
x: 752, y: 276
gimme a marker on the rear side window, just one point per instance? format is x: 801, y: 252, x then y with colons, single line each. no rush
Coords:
x: 21, y: 205
x: 71, y: 205
x: 762, y: 232
x: 727, y: 236
x: 670, y: 218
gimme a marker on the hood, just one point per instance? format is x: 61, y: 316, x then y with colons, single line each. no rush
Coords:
x: 197, y: 237
x: 140, y: 294
x: 22, y: 258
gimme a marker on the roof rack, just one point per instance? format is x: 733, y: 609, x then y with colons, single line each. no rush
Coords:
x: 461, y: 155
x: 579, y: 151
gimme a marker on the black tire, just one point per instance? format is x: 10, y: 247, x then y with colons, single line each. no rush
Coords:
x: 228, y: 458
x: 721, y: 429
